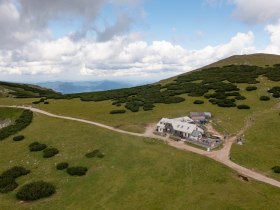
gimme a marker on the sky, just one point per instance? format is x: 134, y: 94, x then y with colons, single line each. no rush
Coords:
x: 129, y: 40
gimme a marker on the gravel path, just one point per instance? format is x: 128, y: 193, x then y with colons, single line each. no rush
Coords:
x: 222, y: 155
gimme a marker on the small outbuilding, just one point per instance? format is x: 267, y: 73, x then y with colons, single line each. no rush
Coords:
x: 200, y: 116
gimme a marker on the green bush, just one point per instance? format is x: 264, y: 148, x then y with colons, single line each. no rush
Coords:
x: 275, y: 91
x: 35, y: 102
x: 46, y: 102
x: 100, y: 155
x: 22, y: 122
x: 276, y: 169
x: 198, y: 102
x: 36, y: 146
x: 15, y: 172
x: 50, y: 152
x: 77, y: 171
x: 18, y: 138
x: 251, y: 88
x: 62, y: 166
x: 92, y: 154
x: 264, y: 98
x: 35, y: 191
x: 225, y: 103
x: 243, y: 107
x: 8, y: 178
x: 7, y: 184
x: 119, y: 111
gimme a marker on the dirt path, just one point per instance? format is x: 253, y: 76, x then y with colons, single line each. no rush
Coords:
x: 222, y: 156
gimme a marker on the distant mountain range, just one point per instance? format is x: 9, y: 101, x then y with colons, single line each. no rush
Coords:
x: 78, y: 87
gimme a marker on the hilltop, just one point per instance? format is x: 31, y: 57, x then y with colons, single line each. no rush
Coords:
x: 258, y: 59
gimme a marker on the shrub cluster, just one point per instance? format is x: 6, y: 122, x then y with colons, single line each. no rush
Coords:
x: 92, y: 153
x: 8, y: 178
x: 50, y: 152
x: 22, y: 122
x: 243, y: 107
x: 276, y: 169
x: 77, y: 171
x: 36, y: 146
x: 275, y: 91
x: 196, y: 84
x: 35, y: 191
x: 198, y: 102
x: 62, y: 166
x: 18, y: 138
x: 251, y: 88
x: 118, y: 111
x: 264, y: 98
x: 42, y: 100
x: 95, y: 153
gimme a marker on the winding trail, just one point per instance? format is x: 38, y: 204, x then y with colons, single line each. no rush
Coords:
x: 221, y: 156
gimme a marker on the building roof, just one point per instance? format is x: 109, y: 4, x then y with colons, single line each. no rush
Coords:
x: 184, y: 119
x: 179, y: 125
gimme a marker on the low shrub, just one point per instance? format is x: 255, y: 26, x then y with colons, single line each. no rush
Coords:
x: 7, y: 184
x: 251, y: 88
x: 92, y: 154
x: 46, y: 102
x: 62, y: 166
x: 225, y: 103
x: 35, y: 102
x: 15, y: 172
x: 275, y: 91
x: 119, y: 111
x: 264, y: 98
x: 35, y: 191
x: 198, y: 102
x: 50, y: 152
x: 243, y: 107
x: 100, y: 155
x: 36, y: 146
x: 276, y: 169
x: 22, y: 122
x: 8, y: 178
x: 18, y: 138
x: 77, y: 171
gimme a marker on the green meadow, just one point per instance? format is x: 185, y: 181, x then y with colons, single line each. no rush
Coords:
x: 136, y: 173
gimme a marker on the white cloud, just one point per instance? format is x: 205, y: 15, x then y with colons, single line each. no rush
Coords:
x: 257, y: 11
x: 274, y: 32
x: 122, y: 56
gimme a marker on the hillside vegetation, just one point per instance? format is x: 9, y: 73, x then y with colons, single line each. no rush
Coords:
x: 8, y: 89
x: 136, y: 173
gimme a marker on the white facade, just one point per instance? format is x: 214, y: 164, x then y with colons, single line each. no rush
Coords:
x: 181, y: 127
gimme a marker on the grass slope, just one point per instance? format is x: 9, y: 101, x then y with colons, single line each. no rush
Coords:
x: 261, y: 150
x: 227, y: 120
x: 136, y: 173
x: 9, y: 113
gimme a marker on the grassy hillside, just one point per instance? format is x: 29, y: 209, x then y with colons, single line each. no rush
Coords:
x: 136, y: 173
x: 8, y: 89
x: 261, y: 150
x: 259, y: 59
